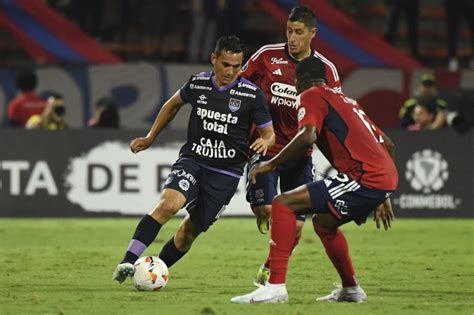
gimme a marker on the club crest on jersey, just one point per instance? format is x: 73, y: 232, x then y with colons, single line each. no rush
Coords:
x: 234, y: 104
x: 301, y: 113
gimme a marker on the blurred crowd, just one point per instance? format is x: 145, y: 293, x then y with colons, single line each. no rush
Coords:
x: 425, y: 110
x: 185, y: 30
x: 165, y: 30
x: 432, y: 30
x: 28, y: 110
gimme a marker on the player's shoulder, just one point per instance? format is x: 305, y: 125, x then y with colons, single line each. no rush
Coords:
x: 269, y: 50
x: 313, y: 95
x: 246, y: 89
x: 328, y: 64
x: 202, y: 76
x: 247, y: 84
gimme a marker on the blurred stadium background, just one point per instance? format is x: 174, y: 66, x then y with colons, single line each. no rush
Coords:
x: 138, y: 53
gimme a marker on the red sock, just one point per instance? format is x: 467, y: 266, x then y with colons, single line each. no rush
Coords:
x: 297, y: 240
x: 338, y: 251
x: 282, y: 241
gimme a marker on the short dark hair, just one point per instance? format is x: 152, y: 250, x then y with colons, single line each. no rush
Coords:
x: 26, y: 80
x: 311, y: 69
x: 304, y: 15
x: 229, y: 43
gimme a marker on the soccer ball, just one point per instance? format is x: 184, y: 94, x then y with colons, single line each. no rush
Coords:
x: 151, y: 274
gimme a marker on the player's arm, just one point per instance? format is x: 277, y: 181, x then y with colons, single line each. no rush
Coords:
x: 166, y: 114
x: 297, y: 146
x: 265, y: 141
x: 384, y: 211
x: 389, y: 145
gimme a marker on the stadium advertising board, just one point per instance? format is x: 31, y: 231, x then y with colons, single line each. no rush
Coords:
x: 93, y: 173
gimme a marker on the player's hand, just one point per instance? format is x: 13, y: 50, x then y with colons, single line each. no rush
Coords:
x: 260, y: 168
x: 140, y: 144
x: 385, y: 214
x: 261, y: 145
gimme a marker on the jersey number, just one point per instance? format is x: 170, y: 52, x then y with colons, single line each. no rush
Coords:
x: 368, y: 125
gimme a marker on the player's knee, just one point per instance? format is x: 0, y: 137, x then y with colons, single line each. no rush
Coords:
x: 166, y: 209
x: 325, y: 223
x: 282, y: 198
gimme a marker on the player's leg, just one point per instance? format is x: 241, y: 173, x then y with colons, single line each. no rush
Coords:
x: 180, y: 186
x: 298, y: 173
x: 339, y: 200
x: 180, y: 243
x: 214, y: 193
x: 261, y: 194
x: 285, y: 208
x: 147, y: 230
x: 326, y: 226
x: 293, y: 175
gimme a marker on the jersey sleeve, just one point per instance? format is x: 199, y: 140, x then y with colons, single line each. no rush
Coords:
x: 260, y: 114
x: 250, y: 70
x: 185, y: 91
x: 312, y: 110
x: 333, y: 77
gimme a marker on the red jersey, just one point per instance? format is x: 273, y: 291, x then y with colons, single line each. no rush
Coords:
x: 347, y: 137
x: 25, y: 105
x: 273, y: 70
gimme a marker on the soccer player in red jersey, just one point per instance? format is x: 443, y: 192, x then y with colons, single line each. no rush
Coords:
x: 362, y: 155
x: 272, y: 68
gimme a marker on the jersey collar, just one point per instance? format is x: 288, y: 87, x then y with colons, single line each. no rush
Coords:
x: 291, y: 57
x: 223, y: 88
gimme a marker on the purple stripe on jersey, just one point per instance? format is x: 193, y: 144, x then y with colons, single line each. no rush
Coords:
x: 224, y: 88
x: 247, y: 81
x: 264, y: 125
x: 136, y: 247
x: 220, y: 171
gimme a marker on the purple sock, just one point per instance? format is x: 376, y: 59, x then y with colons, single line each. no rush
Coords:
x: 145, y: 233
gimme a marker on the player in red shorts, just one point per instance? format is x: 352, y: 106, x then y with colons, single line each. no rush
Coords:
x: 362, y: 155
x: 272, y: 68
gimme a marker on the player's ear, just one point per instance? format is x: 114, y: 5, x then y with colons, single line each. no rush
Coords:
x: 213, y: 58
x: 314, y: 31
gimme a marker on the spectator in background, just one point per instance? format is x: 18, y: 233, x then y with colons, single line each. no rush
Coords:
x: 105, y: 115
x: 423, y: 117
x: 455, y: 11
x: 53, y: 116
x: 26, y: 103
x: 411, y: 10
x: 205, y: 14
x: 427, y: 95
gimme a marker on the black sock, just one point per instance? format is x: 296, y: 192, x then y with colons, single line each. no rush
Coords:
x: 170, y: 254
x: 145, y: 233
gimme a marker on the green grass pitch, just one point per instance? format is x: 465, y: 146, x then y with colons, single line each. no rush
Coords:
x: 64, y: 266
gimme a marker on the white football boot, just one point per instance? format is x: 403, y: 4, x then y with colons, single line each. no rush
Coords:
x: 122, y: 271
x: 349, y: 294
x: 265, y: 294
